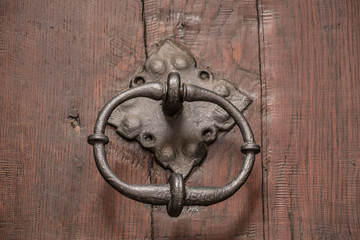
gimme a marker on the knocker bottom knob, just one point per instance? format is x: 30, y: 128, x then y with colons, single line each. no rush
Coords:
x: 177, y: 191
x: 175, y: 194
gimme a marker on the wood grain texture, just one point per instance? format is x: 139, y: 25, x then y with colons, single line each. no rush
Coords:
x: 223, y: 36
x: 310, y: 73
x: 60, y: 61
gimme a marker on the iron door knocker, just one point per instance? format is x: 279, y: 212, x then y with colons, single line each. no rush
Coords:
x: 156, y: 111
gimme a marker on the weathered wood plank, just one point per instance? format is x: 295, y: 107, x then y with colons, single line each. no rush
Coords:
x: 223, y: 36
x: 310, y: 74
x: 60, y: 61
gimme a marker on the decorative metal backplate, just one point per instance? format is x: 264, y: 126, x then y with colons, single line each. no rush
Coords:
x: 179, y: 141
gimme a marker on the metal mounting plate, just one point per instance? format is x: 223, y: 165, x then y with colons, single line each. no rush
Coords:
x: 179, y: 142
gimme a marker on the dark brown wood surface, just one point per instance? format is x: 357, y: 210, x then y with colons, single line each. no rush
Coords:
x: 61, y: 60
x: 311, y: 85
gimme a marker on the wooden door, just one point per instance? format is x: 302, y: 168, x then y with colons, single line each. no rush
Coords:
x: 62, y: 60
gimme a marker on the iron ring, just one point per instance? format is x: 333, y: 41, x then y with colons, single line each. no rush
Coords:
x: 161, y: 194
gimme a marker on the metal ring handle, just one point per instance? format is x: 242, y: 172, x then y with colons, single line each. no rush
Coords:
x: 172, y: 194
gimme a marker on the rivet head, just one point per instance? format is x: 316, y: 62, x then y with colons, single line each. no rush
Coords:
x: 157, y: 66
x: 131, y: 123
x: 222, y: 90
x: 168, y: 153
x: 190, y: 149
x: 181, y: 62
x: 130, y: 126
